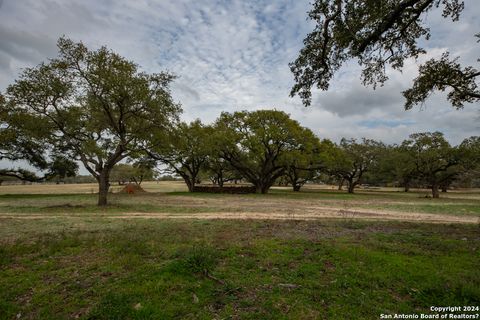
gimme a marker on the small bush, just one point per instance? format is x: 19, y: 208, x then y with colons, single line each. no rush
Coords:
x: 200, y: 259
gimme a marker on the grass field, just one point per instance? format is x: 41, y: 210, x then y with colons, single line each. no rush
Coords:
x: 168, y: 254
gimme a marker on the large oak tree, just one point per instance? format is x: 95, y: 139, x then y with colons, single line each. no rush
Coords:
x: 257, y: 144
x: 92, y: 106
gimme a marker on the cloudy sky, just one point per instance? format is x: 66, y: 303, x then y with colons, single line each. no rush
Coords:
x: 234, y: 55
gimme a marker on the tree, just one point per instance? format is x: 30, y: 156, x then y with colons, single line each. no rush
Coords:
x: 377, y: 34
x: 122, y: 173
x: 91, y: 106
x: 395, y: 166
x: 15, y: 144
x: 144, y: 170
x: 435, y: 160
x: 470, y: 153
x: 256, y: 144
x: 441, y: 75
x: 219, y: 170
x: 185, y: 150
x: 62, y: 168
x: 354, y: 159
x: 302, y: 165
x: 137, y: 172
x: 469, y: 157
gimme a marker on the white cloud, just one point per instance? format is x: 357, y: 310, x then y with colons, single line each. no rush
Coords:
x: 233, y: 55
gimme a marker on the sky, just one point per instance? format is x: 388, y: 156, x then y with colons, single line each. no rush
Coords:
x: 234, y: 55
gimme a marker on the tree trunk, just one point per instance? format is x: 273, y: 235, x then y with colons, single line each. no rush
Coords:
x: 103, y: 186
x: 262, y: 188
x: 351, y: 187
x: 444, y: 188
x: 340, y: 185
x: 220, y: 179
x: 190, y: 183
x: 435, y: 193
x: 406, y: 187
x: 265, y: 189
x: 296, y: 187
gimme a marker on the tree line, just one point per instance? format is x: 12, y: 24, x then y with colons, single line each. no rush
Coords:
x: 99, y: 109
x: 267, y: 147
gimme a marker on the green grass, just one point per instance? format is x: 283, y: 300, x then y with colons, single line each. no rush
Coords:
x: 158, y: 269
x: 81, y: 261
x: 453, y: 203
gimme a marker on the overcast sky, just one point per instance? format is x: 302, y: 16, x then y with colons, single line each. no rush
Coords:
x: 234, y: 55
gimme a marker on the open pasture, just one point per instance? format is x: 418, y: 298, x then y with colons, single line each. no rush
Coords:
x: 170, y: 200
x: 315, y: 254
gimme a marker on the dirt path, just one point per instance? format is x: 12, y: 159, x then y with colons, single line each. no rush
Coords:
x: 308, y: 213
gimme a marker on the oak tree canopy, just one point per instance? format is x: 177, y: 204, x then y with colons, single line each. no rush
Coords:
x: 377, y: 34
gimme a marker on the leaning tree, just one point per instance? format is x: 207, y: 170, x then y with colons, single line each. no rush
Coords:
x: 378, y: 34
x: 90, y: 106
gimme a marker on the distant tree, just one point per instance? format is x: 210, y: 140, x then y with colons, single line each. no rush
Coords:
x: 256, y: 144
x: 435, y: 160
x: 144, y: 170
x: 299, y: 172
x: 469, y: 153
x: 122, y: 173
x: 377, y: 34
x: 219, y: 170
x: 137, y: 172
x: 184, y: 150
x: 469, y: 159
x: 62, y: 168
x: 395, y: 165
x: 353, y: 159
x: 302, y: 165
x: 90, y: 106
x: 80, y: 179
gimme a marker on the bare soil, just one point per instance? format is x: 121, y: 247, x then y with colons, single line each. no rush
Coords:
x: 238, y: 207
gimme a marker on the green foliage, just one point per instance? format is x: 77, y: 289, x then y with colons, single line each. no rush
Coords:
x: 352, y: 159
x: 122, y: 173
x: 184, y: 150
x: 441, y: 75
x: 93, y: 106
x: 62, y: 168
x: 302, y: 165
x: 434, y: 159
x: 219, y: 170
x: 379, y: 34
x: 396, y: 167
x: 258, y: 144
x: 136, y: 172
